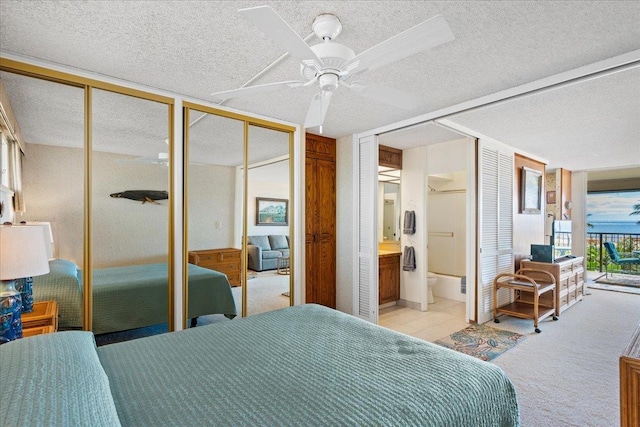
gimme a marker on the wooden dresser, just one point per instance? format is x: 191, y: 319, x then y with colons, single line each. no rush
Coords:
x: 388, y: 277
x: 569, y: 275
x: 630, y: 383
x: 225, y: 260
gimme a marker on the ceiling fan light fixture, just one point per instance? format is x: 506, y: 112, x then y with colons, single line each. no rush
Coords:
x: 328, y: 81
x: 329, y: 63
x: 326, y: 26
x: 335, y: 56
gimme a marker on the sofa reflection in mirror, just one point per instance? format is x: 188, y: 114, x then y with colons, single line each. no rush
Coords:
x: 264, y: 251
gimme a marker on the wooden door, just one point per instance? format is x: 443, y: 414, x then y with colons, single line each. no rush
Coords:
x: 320, y: 224
x: 311, y: 215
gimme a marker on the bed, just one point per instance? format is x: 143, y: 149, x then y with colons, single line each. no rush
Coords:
x: 130, y: 297
x: 299, y: 366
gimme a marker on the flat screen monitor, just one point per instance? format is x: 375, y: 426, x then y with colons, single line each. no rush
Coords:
x: 542, y: 253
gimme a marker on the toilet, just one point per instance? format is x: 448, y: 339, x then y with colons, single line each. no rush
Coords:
x: 431, y: 281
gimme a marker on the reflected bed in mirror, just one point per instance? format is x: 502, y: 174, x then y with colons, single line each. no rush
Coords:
x: 129, y: 297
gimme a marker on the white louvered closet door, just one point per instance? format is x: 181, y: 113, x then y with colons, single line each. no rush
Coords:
x: 495, y: 166
x: 366, y: 283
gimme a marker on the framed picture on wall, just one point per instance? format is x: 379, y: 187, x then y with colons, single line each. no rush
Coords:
x: 272, y: 211
x: 551, y: 197
x: 531, y: 191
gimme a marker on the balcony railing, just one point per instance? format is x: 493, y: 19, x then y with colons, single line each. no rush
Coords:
x: 597, y: 257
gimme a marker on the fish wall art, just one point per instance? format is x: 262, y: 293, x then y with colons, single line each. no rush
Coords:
x: 143, y: 196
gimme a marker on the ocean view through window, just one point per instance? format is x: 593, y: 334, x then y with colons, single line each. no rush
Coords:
x: 613, y: 217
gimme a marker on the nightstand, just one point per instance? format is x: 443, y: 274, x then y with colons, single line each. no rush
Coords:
x: 42, y: 320
x: 38, y: 330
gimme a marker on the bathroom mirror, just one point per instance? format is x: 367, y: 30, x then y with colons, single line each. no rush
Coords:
x: 389, y: 208
x: 391, y: 212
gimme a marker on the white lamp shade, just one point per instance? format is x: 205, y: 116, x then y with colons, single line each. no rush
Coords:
x: 23, y: 252
x: 48, y: 234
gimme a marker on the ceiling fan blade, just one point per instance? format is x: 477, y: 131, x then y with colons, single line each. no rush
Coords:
x: 429, y: 34
x: 253, y: 90
x: 385, y: 95
x: 276, y: 28
x: 142, y: 160
x: 317, y: 109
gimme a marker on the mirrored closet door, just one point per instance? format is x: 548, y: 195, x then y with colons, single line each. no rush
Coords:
x: 46, y: 140
x: 130, y: 213
x: 214, y: 194
x: 269, y: 224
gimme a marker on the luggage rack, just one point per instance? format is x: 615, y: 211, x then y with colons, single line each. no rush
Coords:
x: 525, y: 308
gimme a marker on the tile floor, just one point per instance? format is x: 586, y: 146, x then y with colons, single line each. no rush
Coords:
x: 443, y: 318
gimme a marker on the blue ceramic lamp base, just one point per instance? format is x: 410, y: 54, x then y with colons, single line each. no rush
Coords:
x: 25, y: 287
x: 10, y: 310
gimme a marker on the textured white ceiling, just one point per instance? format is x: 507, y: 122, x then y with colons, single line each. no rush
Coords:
x: 196, y: 48
x: 423, y: 134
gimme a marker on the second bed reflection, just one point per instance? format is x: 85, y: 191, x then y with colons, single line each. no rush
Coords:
x: 219, y: 215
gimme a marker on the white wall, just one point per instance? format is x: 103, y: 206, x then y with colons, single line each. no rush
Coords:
x: 54, y: 191
x: 448, y: 156
x: 413, y: 189
x: 211, y: 207
x: 125, y: 232
x: 344, y: 224
x: 270, y: 181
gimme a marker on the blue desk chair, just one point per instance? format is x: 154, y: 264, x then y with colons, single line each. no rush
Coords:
x: 615, y: 257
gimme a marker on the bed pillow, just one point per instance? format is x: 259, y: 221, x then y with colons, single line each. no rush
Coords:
x: 260, y: 241
x: 278, y: 242
x: 63, y: 267
x: 55, y: 380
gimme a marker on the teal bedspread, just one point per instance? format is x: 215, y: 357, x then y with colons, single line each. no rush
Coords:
x: 54, y: 380
x: 130, y: 297
x: 61, y: 284
x: 302, y: 366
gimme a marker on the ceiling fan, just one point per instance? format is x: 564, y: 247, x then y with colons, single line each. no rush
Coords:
x: 330, y: 64
x: 162, y: 159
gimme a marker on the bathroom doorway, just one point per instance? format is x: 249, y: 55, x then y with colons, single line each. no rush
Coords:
x: 438, y: 169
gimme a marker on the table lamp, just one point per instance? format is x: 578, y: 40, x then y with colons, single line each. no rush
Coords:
x: 23, y: 253
x: 25, y: 284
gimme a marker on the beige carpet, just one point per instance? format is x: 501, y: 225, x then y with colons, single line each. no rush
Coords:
x: 568, y: 374
x: 264, y: 292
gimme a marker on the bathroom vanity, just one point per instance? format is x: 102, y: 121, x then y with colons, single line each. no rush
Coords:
x: 388, y: 273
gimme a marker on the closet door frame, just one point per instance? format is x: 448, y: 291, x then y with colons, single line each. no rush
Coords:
x: 248, y: 121
x: 177, y: 258
x: 88, y: 84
